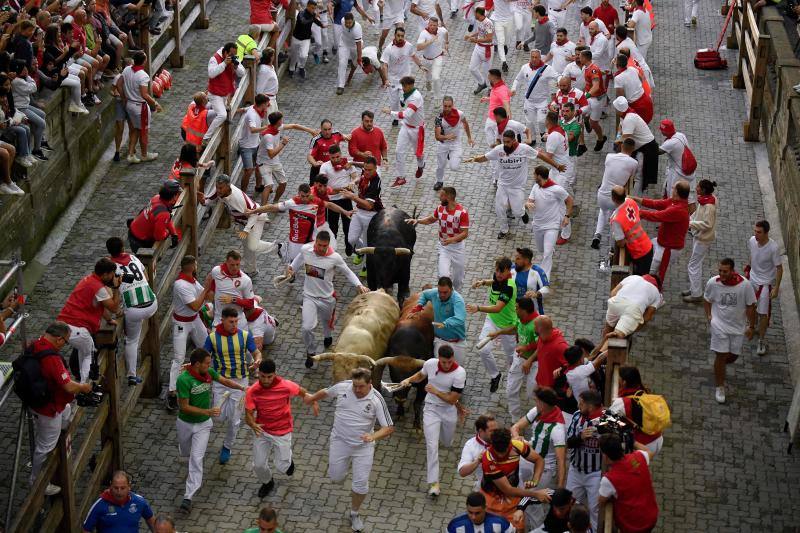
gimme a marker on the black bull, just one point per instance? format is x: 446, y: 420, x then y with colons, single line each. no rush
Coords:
x: 388, y: 231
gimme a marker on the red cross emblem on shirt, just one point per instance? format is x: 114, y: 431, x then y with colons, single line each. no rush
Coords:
x: 631, y: 214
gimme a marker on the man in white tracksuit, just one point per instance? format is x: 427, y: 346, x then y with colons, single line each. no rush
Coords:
x: 449, y: 125
x: 411, y: 137
x: 536, y: 82
x: 446, y: 382
x: 551, y: 205
x: 432, y: 45
x: 557, y: 147
x: 350, y: 45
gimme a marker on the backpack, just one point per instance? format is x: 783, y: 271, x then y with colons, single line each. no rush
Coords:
x: 688, y: 161
x: 29, y: 383
x: 649, y: 412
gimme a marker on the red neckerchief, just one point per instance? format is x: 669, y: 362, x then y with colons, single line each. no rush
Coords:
x: 452, y: 117
x: 734, y: 280
x: 544, y: 20
x: 548, y: 183
x: 107, y: 496
x: 532, y: 317
x: 399, y: 45
x: 588, y: 22
x: 501, y: 126
x: 340, y: 165
x: 137, y: 68
x: 328, y: 252
x: 594, y: 414
x: 705, y: 199
x: 221, y: 330
x: 498, y: 84
x: 276, y: 380
x: 187, y: 277
x: 554, y: 416
x: 260, y: 113
x: 224, y: 268
x: 481, y: 441
x: 434, y: 32
x: 440, y: 369
x: 205, y: 378
x: 557, y: 129
x: 121, y: 259
x: 629, y: 391
x: 271, y: 130
x: 537, y: 67
x: 300, y: 201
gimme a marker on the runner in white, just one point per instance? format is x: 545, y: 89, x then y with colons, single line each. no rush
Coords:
x: 352, y: 440
x: 319, y: 300
x: 640, y: 21
x: 522, y: 20
x: 270, y: 146
x: 453, y: 230
x: 396, y: 64
x: 261, y: 325
x: 446, y: 382
x: 562, y: 52
x: 574, y: 70
x: 351, y: 43
x: 602, y: 52
x: 432, y: 45
x: 766, y: 272
x: 503, y: 18
x: 536, y: 82
x: 424, y: 10
x: 393, y: 17
x: 231, y: 288
x: 475, y: 447
x: 481, y: 58
x: 369, y: 64
x: 587, y: 17
x: 623, y: 42
x: 557, y: 11
x: 619, y: 169
x: 551, y: 206
x: 494, y: 129
x: 411, y: 137
x: 557, y: 147
x: 448, y: 129
x: 341, y: 174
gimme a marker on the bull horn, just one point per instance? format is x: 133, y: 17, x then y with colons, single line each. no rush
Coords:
x: 383, y: 361
x: 365, y: 360
x: 327, y: 356
x: 402, y: 251
x: 366, y: 250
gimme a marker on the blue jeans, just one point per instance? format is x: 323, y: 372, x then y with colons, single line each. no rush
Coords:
x: 19, y: 136
x: 36, y: 118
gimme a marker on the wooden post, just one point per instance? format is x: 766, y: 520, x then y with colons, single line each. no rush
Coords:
x: 249, y: 64
x: 202, y: 20
x: 144, y: 36
x: 224, y: 148
x: 617, y: 356
x: 732, y: 43
x: 190, y: 230
x: 107, y: 346
x: 737, y: 80
x: 151, y: 344
x: 70, y: 521
x: 176, y: 57
x: 752, y: 128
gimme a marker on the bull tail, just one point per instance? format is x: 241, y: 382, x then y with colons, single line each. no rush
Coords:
x: 415, y: 212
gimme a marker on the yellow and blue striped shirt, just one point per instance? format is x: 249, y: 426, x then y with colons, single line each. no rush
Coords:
x: 229, y: 352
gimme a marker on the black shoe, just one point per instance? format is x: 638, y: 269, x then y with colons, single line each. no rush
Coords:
x: 334, y: 50
x: 116, y: 157
x: 502, y: 235
x: 87, y: 101
x: 134, y: 380
x: 470, y: 28
x: 46, y: 146
x: 266, y: 488
x: 438, y: 186
x: 505, y: 66
x: 340, y: 90
x: 309, y: 360
x: 327, y: 342
x: 525, y: 218
x: 172, y: 402
x: 495, y: 383
x: 155, y: 31
x: 348, y: 250
x: 599, y: 144
x: 479, y: 89
x: 290, y: 73
x: 395, y: 123
x: 582, y: 149
x: 302, y: 73
x: 505, y: 50
x: 186, y: 505
x: 38, y: 154
x: 596, y: 242
x: 290, y: 470
x: 526, y: 47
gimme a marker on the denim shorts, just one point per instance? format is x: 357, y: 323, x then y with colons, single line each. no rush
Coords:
x: 248, y: 156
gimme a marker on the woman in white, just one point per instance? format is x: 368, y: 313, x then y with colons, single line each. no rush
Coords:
x: 702, y: 226
x: 267, y: 79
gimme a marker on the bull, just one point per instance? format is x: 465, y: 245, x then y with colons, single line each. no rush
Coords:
x: 390, y: 246
x: 368, y: 323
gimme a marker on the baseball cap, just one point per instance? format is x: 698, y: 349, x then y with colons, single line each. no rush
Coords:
x: 667, y: 127
x: 620, y: 103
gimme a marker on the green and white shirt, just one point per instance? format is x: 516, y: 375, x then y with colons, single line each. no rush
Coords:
x: 546, y: 437
x: 138, y: 292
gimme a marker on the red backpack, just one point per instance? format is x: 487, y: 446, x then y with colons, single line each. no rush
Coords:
x: 688, y: 161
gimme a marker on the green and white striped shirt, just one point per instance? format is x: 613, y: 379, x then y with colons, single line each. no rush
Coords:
x: 138, y: 292
x: 546, y: 437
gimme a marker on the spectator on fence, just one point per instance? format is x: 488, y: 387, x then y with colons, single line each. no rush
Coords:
x: 21, y: 46
x: 630, y: 385
x: 267, y: 521
x: 255, y: 124
x: 55, y: 415
x: 134, y: 86
x: 78, y: 67
x: 119, y: 509
x: 97, y: 34
x: 55, y: 67
x: 633, y: 303
x: 22, y: 87
x: 154, y: 222
x: 94, y: 40
x: 164, y: 524
x: 89, y: 54
x: 247, y: 43
x: 114, y: 39
x: 7, y: 156
x: 188, y: 160
x: 267, y: 79
x: 222, y: 73
x: 95, y: 297
x: 12, y: 128
x: 261, y: 16
x: 628, y: 485
x: 197, y: 120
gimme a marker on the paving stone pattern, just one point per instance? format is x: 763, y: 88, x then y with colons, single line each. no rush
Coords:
x: 723, y: 468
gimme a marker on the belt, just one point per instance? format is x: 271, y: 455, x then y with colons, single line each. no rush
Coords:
x: 180, y: 318
x: 484, y: 45
x: 557, y: 10
x: 143, y: 306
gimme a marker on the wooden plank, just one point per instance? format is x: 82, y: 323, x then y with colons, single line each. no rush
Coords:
x: 752, y: 24
x: 748, y: 83
x: 133, y: 394
x: 162, y: 56
x: 89, y: 442
x: 176, y: 57
x: 96, y: 479
x: 69, y: 518
x: 190, y: 19
x: 750, y: 53
x: 111, y: 427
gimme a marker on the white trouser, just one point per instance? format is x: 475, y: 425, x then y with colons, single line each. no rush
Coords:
x: 81, y: 340
x: 134, y: 316
x: 695, y: 266
x: 181, y: 332
x: 545, y: 240
x: 230, y: 408
x: 337, y: 35
x: 503, y: 33
x: 504, y: 198
x: 522, y: 24
x: 451, y: 262
x: 558, y: 17
x: 316, y: 310
x: 508, y: 342
x: 534, y: 117
x: 192, y: 443
x: 438, y: 424
x: 219, y: 105
x: 407, y: 139
x: 320, y: 35
x: 298, y: 53
x: 479, y: 64
x: 535, y: 514
x: 46, y: 431
x: 395, y: 90
x: 74, y: 83
x: 434, y: 76
x: 690, y: 8
x: 643, y: 48
x: 448, y: 156
x: 357, y: 235
x: 585, y: 488
x: 605, y: 207
x: 263, y: 327
x: 459, y: 347
x: 514, y: 384
x: 345, y: 54
x: 490, y: 134
x: 253, y: 245
x: 341, y: 454
x: 263, y: 445
x: 567, y: 180
x: 658, y: 255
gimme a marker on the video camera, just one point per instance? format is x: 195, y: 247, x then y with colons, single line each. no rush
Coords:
x: 93, y: 398
x: 128, y: 278
x: 620, y: 426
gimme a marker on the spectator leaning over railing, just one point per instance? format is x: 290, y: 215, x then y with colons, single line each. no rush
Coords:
x: 13, y: 129
x: 22, y: 88
x: 133, y: 87
x: 197, y: 119
x: 154, y: 222
x: 55, y: 67
x: 247, y: 43
x: 630, y: 385
x: 187, y: 160
x: 223, y: 69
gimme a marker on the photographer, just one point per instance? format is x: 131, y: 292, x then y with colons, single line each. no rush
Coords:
x: 628, y: 484
x: 630, y: 385
x: 94, y: 297
x: 583, y: 479
x: 49, y: 419
x: 223, y: 69
x: 154, y: 222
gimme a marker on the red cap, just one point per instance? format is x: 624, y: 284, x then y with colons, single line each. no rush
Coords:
x: 667, y: 127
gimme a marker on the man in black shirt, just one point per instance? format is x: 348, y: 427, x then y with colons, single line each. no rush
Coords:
x: 301, y: 38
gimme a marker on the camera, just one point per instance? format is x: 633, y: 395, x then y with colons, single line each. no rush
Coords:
x: 90, y: 399
x: 128, y: 278
x: 235, y: 61
x: 620, y: 426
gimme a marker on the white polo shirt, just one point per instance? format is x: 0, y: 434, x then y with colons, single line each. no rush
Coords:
x: 556, y: 145
x: 356, y: 416
x: 635, y: 126
x: 453, y: 381
x: 472, y: 450
x: 560, y: 52
x: 251, y: 120
x: 351, y: 36
x: 436, y: 48
x: 183, y: 293
x: 503, y: 11
x: 628, y: 80
x: 513, y: 167
x: 644, y: 34
x: 549, y: 208
x: 619, y: 169
x: 764, y: 261
x: 579, y: 378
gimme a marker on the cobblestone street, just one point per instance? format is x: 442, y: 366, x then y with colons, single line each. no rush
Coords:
x: 723, y: 468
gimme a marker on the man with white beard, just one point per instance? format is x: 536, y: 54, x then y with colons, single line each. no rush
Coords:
x: 538, y: 85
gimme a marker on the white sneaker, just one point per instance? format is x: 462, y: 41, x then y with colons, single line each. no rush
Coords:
x: 51, y: 490
x: 32, y: 159
x: 149, y: 156
x: 24, y: 161
x: 134, y: 159
x: 96, y: 100
x: 11, y: 188
x: 78, y: 109
x: 355, y: 521
x: 434, y: 490
x: 762, y: 347
x: 720, y: 394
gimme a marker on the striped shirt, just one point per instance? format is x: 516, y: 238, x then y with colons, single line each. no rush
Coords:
x: 229, y: 351
x: 546, y: 437
x: 137, y: 293
x: 586, y: 457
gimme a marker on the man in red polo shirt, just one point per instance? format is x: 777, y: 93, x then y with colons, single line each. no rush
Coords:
x: 269, y: 414
x: 49, y: 419
x: 320, y: 145
x: 608, y: 14
x: 368, y: 140
x: 550, y: 348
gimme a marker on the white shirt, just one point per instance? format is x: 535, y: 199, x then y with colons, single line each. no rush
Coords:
x: 619, y: 169
x: 635, y: 53
x: 337, y: 179
x: 251, y: 120
x: 579, y: 378
x: 601, y: 55
x: 583, y: 30
x: 560, y: 52
x: 549, y: 208
x: 398, y: 60
x: 545, y: 87
x: 513, y: 167
x: 482, y: 29
x: 574, y: 71
x: 320, y: 270
x: 426, y: 6
x: 503, y: 10
x: 635, y: 126
x: 472, y: 450
x: 412, y: 114
x: 729, y: 305
x: 371, y: 52
x: 266, y: 81
x: 183, y: 293
x: 607, y: 489
x: 764, y: 261
x: 638, y: 291
x: 240, y: 286
x: 453, y: 381
x: 447, y: 129
x: 544, y: 446
x: 392, y: 9
x: 131, y: 81
x: 674, y: 147
x: 351, y: 36
x: 356, y: 416
x: 513, y: 125
x: 436, y: 48
x: 215, y: 68
x: 628, y: 80
x: 268, y: 142
x: 644, y: 34
x: 556, y: 145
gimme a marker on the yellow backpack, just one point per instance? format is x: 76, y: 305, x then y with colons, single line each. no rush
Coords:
x: 650, y: 412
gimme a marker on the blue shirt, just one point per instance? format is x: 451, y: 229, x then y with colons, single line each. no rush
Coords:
x: 452, y: 313
x: 533, y: 279
x: 341, y: 8
x: 105, y: 516
x: 491, y: 524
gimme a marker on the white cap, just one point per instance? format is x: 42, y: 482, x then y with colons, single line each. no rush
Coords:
x: 620, y: 103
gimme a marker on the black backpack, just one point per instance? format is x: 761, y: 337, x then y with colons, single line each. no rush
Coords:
x: 29, y: 383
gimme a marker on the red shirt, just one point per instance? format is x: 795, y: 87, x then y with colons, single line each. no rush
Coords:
x: 273, y: 405
x: 79, y: 34
x: 635, y: 506
x: 674, y: 218
x: 56, y: 375
x: 320, y: 146
x: 550, y: 354
x: 259, y: 12
x: 591, y: 73
x: 367, y: 141
x: 608, y: 14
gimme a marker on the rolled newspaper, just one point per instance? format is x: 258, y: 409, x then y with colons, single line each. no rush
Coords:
x: 277, y: 281
x: 483, y: 343
x: 392, y: 387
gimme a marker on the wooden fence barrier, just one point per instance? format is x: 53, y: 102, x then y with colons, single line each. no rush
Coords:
x: 751, y: 64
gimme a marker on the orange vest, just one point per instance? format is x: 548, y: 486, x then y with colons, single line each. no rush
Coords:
x: 636, y: 240
x: 195, y: 125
